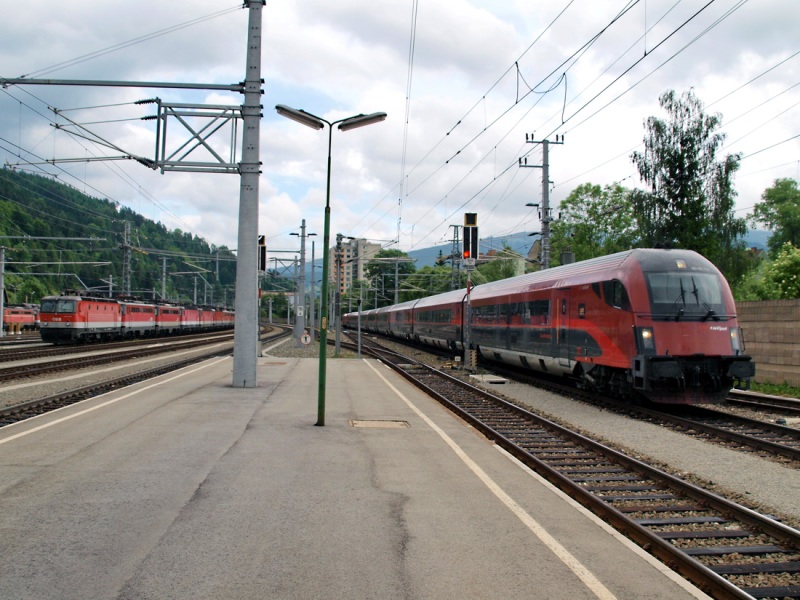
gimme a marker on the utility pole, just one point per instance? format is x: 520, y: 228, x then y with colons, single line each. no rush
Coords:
x: 298, y: 319
x: 2, y: 288
x: 126, y: 259
x: 337, y: 297
x: 164, y: 278
x: 300, y: 323
x: 545, y: 167
x: 455, y: 265
x: 246, y: 330
x: 313, y: 296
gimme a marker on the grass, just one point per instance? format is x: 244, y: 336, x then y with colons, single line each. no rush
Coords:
x: 783, y: 389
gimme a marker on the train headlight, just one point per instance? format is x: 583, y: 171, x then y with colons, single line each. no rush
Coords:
x: 647, y: 341
x: 736, y: 340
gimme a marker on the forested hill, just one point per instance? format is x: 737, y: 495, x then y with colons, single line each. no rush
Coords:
x: 34, y: 207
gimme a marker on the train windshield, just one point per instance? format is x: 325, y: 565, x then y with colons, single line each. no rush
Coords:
x: 58, y: 306
x: 686, y: 296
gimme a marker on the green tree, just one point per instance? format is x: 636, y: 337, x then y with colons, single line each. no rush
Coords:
x: 506, y: 263
x: 691, y: 198
x: 593, y: 222
x: 781, y: 279
x: 779, y: 212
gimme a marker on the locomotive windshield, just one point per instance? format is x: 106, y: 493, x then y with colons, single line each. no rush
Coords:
x: 681, y: 295
x: 58, y: 306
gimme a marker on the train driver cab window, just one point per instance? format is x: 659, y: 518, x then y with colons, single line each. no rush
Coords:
x: 65, y: 306
x: 616, y: 295
x: 686, y: 294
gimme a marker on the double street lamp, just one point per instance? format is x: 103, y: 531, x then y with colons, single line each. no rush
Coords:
x: 315, y: 122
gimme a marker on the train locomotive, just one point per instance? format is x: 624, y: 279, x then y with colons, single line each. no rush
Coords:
x: 24, y: 317
x: 73, y: 318
x: 644, y: 324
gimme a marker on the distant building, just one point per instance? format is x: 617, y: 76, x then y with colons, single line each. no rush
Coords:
x: 354, y: 258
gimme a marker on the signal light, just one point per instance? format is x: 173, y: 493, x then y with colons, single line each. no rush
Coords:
x: 262, y: 253
x: 470, y: 249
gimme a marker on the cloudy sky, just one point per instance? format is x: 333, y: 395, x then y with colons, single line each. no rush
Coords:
x: 462, y: 81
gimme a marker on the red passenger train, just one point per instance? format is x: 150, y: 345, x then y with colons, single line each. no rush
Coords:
x: 647, y: 323
x: 74, y: 318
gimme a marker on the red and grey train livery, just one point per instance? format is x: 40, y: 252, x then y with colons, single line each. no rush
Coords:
x: 645, y: 323
x: 74, y: 318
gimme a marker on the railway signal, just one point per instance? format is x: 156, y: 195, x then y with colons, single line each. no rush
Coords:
x: 262, y: 253
x: 470, y: 247
x: 470, y: 254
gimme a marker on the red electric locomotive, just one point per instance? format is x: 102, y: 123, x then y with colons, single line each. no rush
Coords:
x: 72, y: 318
x: 17, y: 319
x: 657, y: 324
x: 168, y: 319
x: 138, y: 319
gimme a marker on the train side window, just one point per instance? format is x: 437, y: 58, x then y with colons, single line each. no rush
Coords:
x: 596, y: 289
x: 539, y: 311
x: 503, y: 312
x: 616, y: 295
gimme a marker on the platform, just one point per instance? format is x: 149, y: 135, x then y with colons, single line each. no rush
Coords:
x: 184, y: 487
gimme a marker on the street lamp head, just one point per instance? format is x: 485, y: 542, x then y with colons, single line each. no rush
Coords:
x: 361, y: 121
x: 300, y: 116
x: 533, y: 204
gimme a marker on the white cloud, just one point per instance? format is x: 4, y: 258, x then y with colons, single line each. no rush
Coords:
x: 469, y: 111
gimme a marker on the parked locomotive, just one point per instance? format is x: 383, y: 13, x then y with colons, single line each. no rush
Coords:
x: 72, y: 318
x: 645, y: 323
x: 17, y: 319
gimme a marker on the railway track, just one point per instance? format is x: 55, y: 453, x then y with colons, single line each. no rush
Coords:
x: 33, y: 408
x: 772, y: 440
x: 735, y: 431
x: 777, y: 404
x: 727, y: 550
x: 125, y: 353
x: 769, y: 439
x: 44, y: 350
